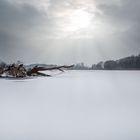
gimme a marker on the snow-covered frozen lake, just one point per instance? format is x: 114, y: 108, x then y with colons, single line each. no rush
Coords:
x: 76, y: 105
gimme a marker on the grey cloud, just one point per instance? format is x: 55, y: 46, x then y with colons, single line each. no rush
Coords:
x: 19, y: 25
x: 23, y: 15
x: 126, y: 11
x: 124, y: 16
x: 28, y: 32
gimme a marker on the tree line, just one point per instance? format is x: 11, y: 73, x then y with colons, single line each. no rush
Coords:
x: 127, y: 63
x: 20, y: 70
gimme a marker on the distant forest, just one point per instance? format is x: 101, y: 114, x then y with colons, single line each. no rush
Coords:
x: 127, y: 63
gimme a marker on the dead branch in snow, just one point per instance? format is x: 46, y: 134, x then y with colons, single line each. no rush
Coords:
x: 19, y: 70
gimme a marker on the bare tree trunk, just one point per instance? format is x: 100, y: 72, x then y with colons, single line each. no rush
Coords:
x: 35, y: 70
x: 19, y: 70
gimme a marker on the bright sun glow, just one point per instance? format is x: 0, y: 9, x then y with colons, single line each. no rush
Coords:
x: 79, y: 19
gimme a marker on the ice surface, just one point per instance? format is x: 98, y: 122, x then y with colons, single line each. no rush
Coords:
x: 76, y: 105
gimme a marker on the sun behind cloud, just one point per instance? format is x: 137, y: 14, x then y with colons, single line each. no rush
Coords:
x: 79, y: 19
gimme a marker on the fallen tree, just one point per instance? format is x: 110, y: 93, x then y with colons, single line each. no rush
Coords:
x: 20, y: 70
x: 36, y: 70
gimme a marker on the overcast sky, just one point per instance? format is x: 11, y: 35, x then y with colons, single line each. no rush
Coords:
x: 68, y: 31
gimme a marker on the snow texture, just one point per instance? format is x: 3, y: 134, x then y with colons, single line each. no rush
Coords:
x: 76, y: 105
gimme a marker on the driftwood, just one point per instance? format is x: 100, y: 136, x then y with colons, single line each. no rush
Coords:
x: 20, y: 71
x: 36, y: 70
